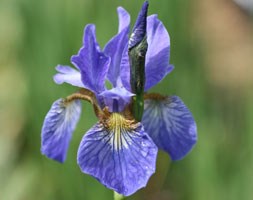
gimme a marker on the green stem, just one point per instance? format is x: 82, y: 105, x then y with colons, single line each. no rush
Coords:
x: 118, y: 196
x: 138, y: 106
x: 137, y: 76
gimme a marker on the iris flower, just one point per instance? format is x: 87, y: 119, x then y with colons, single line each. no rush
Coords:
x: 119, y: 150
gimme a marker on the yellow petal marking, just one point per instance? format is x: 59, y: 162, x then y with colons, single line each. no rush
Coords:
x: 118, y: 125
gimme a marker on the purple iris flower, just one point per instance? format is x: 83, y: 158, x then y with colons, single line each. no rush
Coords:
x: 118, y: 150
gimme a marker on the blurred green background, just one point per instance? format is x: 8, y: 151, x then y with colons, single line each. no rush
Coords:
x: 211, y: 48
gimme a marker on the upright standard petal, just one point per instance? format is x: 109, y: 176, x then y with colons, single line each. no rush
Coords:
x: 124, y: 19
x: 120, y: 155
x: 91, y: 62
x: 171, y: 125
x: 115, y: 47
x: 158, y: 54
x: 58, y: 127
x: 68, y: 75
x: 157, y: 58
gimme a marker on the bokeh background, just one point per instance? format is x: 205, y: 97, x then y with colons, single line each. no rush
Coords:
x: 212, y: 50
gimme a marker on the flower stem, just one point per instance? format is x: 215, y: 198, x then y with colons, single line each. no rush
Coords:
x: 118, y: 196
x: 138, y: 107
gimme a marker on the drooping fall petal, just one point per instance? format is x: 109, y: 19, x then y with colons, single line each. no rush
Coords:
x: 58, y: 127
x: 121, y: 156
x: 171, y: 125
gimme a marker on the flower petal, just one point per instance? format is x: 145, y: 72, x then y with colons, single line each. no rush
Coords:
x: 114, y: 48
x: 118, y: 95
x: 157, y: 58
x: 125, y: 70
x: 158, y: 54
x: 91, y: 62
x: 121, y: 159
x: 171, y: 125
x: 58, y: 127
x: 68, y: 75
x: 124, y: 19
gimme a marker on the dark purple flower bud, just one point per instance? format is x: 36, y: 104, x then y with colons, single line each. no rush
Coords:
x: 139, y: 30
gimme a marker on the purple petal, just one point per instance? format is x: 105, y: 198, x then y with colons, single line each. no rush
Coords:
x: 114, y: 48
x: 58, y: 127
x: 116, y: 99
x: 171, y: 126
x: 125, y: 70
x: 68, y: 75
x: 139, y: 30
x: 121, y: 159
x: 91, y: 62
x: 124, y: 19
x: 157, y: 58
